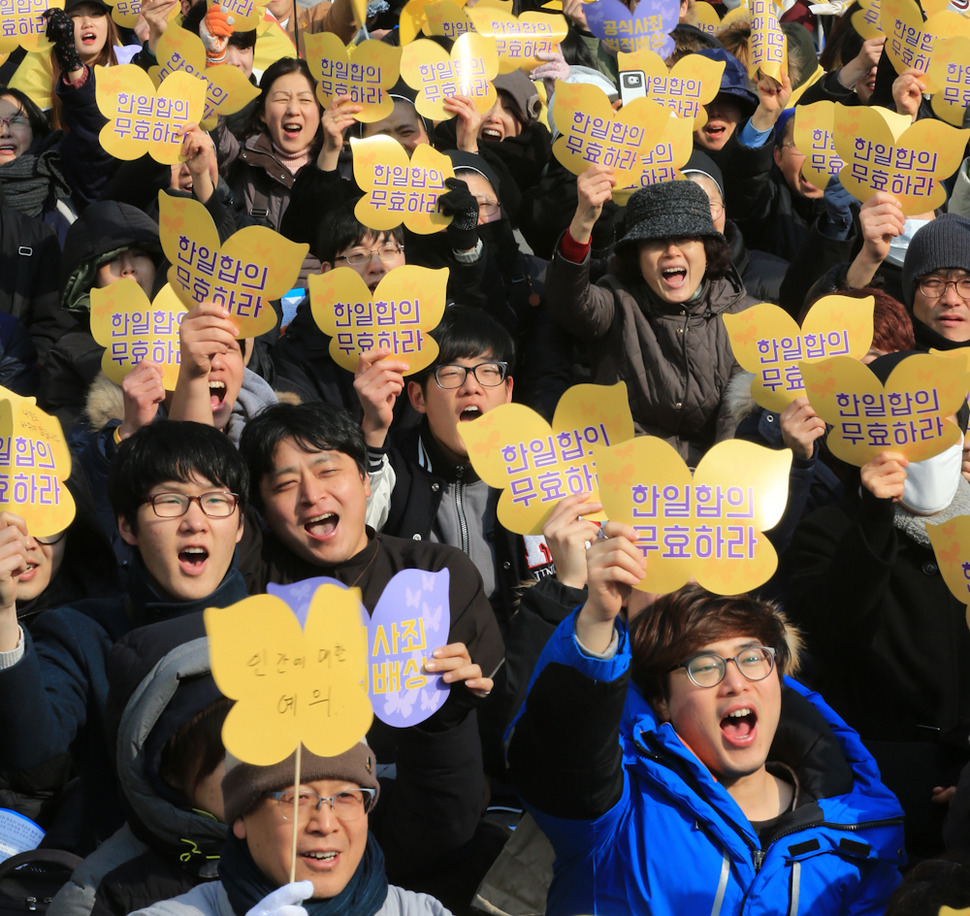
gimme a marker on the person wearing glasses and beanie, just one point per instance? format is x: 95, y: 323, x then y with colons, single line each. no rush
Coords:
x: 696, y: 776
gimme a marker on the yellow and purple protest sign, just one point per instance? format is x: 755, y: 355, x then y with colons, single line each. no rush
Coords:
x: 365, y: 72
x: 22, y: 24
x: 535, y: 465
x: 254, y: 266
x: 768, y: 50
x: 950, y: 73
x: 661, y: 160
x: 648, y: 26
x: 126, y: 12
x: 407, y: 304
x: 141, y: 120
x: 951, y: 545
x: 689, y: 85
x: 399, y: 190
x: 708, y: 20
x: 910, y: 414
x: 448, y: 19
x: 911, y: 42
x: 34, y: 463
x: 243, y: 14
x: 519, y: 39
x: 767, y: 341
x: 866, y: 19
x: 814, y: 138
x: 708, y: 525
x: 132, y: 329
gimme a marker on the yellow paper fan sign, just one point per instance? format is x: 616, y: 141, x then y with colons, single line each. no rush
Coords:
x: 883, y: 151
x: 126, y: 12
x: 707, y: 19
x: 949, y: 911
x: 291, y: 684
x: 911, y: 42
x: 437, y: 75
x: 132, y: 329
x: 398, y: 190
x: 447, y: 19
x: 950, y: 72
x: 22, y: 24
x: 365, y: 72
x: 141, y: 120
x: 767, y: 341
x: 519, y: 39
x: 768, y: 51
x: 244, y: 15
x: 692, y: 82
x: 951, y: 545
x: 814, y: 137
x: 866, y: 19
x: 34, y: 463
x: 251, y: 268
x: 662, y: 160
x: 407, y: 304
x: 908, y: 415
x: 708, y: 526
x: 226, y: 88
x: 534, y: 464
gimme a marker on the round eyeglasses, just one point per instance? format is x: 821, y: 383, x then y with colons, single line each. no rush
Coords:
x: 349, y: 805
x: 934, y: 287
x: 708, y: 669
x: 215, y: 503
x: 489, y: 375
x: 361, y: 256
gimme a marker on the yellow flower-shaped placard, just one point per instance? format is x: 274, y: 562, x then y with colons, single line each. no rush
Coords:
x: 436, y: 74
x: 662, y: 160
x: 514, y: 449
x: 519, y: 39
x: 692, y: 82
x: 911, y: 42
x: 707, y: 19
x: 398, y: 190
x: 951, y: 544
x: 34, y: 463
x: 907, y: 416
x: 950, y: 73
x: 22, y: 24
x: 767, y: 341
x: 244, y: 14
x: 884, y: 152
x: 226, y: 88
x: 141, y: 120
x: 365, y: 72
x: 254, y: 266
x: 447, y: 19
x: 815, y: 138
x: 407, y: 304
x: 132, y: 329
x: 866, y: 19
x: 291, y: 684
x: 708, y: 526
x: 768, y: 51
x: 126, y: 12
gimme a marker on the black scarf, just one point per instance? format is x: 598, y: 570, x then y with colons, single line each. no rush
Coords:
x: 34, y: 178
x: 246, y: 885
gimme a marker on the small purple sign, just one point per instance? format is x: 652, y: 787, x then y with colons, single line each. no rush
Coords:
x: 647, y: 27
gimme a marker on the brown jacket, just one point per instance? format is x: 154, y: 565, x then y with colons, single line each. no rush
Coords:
x: 336, y: 17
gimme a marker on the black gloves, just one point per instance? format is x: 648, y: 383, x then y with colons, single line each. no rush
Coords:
x: 60, y: 31
x: 459, y: 203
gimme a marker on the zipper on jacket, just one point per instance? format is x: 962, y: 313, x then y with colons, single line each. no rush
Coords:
x: 460, y: 508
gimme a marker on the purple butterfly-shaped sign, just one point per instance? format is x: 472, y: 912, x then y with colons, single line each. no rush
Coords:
x: 647, y: 27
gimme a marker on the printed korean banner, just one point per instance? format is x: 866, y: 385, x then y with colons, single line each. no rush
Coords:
x: 244, y: 15
x: 126, y: 12
x: 689, y: 85
x: 911, y: 42
x: 647, y: 27
x: 366, y: 72
x: 661, y: 160
x: 22, y: 24
x: 951, y: 545
x: 447, y: 19
x: 519, y: 39
x: 867, y: 19
x: 814, y: 137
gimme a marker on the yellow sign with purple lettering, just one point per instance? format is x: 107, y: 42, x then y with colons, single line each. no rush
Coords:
x: 251, y: 268
x: 707, y: 19
x: 866, y: 19
x: 692, y: 82
x: 244, y: 15
x: 911, y: 42
x: 398, y: 190
x: 908, y: 415
x: 768, y: 52
x: 535, y: 465
x: 34, y: 463
x: 767, y: 341
x: 951, y: 544
x: 814, y: 138
x: 226, y: 88
x: 141, y: 120
x: 883, y: 151
x: 365, y: 72
x: 132, y: 329
x: 708, y: 525
x: 407, y: 304
x: 22, y: 24
x: 291, y: 683
x: 662, y: 160
x: 950, y: 72
x: 519, y: 39
x: 436, y: 74
x: 447, y: 19
x: 126, y: 12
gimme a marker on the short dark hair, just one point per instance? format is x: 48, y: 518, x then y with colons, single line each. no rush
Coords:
x: 465, y: 332
x: 680, y: 623
x: 196, y: 749
x: 625, y: 264
x: 281, y: 67
x: 339, y: 229
x: 173, y: 450
x: 314, y: 427
x: 39, y: 125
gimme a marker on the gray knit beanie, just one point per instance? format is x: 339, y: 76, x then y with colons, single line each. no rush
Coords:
x: 668, y: 210
x: 245, y: 783
x: 941, y: 244
x: 523, y: 93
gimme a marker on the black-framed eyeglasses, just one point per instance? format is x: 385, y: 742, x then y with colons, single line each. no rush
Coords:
x: 349, y: 805
x: 489, y: 375
x: 708, y: 669
x: 934, y: 287
x: 361, y: 256
x: 215, y: 503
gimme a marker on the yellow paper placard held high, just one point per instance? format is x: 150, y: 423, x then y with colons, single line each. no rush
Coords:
x: 950, y: 71
x: 447, y: 19
x: 814, y: 137
x: 132, y: 329
x: 911, y: 42
x: 244, y: 15
x: 399, y: 190
x: 884, y: 152
x: 365, y: 72
x: 34, y: 463
x: 436, y: 74
x: 514, y: 449
x: 909, y: 415
x: 407, y: 304
x: 708, y: 526
x: 866, y: 19
x: 692, y: 82
x: 662, y: 160
x: 291, y: 684
x: 141, y: 120
x: 951, y: 545
x: 768, y: 51
x: 767, y: 341
x: 126, y: 12
x: 519, y: 39
x: 707, y: 19
x: 254, y: 266
x: 23, y: 25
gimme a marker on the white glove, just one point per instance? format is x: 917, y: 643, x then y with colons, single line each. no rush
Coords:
x: 284, y: 901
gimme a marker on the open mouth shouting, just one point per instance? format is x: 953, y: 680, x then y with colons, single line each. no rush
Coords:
x: 322, y: 527
x: 217, y: 394
x: 739, y: 726
x: 193, y: 559
x: 673, y: 278
x: 471, y: 412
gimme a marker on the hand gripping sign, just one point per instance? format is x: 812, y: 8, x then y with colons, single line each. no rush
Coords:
x: 911, y: 42
x: 708, y: 525
x: 951, y: 545
x: 365, y: 72
x: 519, y: 39
x: 407, y: 304
x: 689, y: 85
x: 908, y: 415
x: 767, y: 341
x: 515, y: 450
x: 254, y: 266
x: 132, y: 329
x: 22, y: 24
x: 814, y: 137
x: 244, y: 15
x: 648, y: 26
x: 126, y: 12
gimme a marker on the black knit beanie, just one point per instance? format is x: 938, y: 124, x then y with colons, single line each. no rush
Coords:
x: 941, y: 244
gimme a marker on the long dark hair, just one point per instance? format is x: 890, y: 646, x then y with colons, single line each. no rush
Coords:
x: 282, y: 67
x: 39, y: 125
x: 106, y: 58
